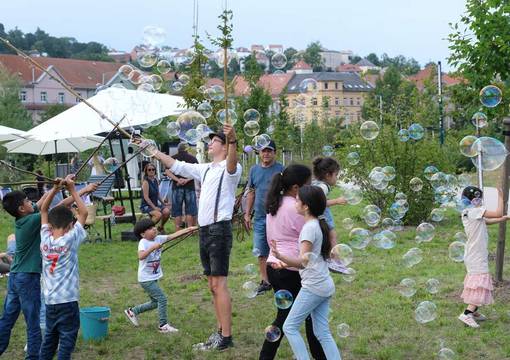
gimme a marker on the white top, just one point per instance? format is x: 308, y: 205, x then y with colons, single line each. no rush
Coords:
x: 149, y: 269
x: 476, y: 254
x: 61, y: 278
x: 315, y: 276
x: 209, y: 188
x: 324, y: 187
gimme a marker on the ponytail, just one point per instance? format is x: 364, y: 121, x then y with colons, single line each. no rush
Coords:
x: 326, y: 244
x: 295, y: 174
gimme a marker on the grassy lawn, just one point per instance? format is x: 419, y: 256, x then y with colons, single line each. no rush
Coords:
x: 381, y: 320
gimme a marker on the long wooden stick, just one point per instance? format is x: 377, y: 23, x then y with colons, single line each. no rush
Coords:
x: 67, y: 87
x: 24, y: 171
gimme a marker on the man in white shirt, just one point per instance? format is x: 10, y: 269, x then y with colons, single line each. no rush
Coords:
x: 219, y: 181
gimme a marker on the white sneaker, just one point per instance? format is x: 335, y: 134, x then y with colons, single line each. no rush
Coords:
x: 167, y: 328
x: 131, y: 316
x: 468, y: 320
x: 479, y: 316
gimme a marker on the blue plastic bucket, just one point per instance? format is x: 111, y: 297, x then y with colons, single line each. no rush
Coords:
x: 94, y: 322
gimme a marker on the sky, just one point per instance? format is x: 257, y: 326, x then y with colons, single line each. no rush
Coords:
x: 412, y: 28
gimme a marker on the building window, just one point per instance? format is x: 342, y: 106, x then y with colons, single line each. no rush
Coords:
x: 61, y: 98
x: 314, y: 101
x: 336, y: 86
x: 351, y: 101
x: 325, y: 86
x: 337, y: 101
x: 44, y: 96
x: 358, y: 101
x: 346, y: 102
x: 23, y: 96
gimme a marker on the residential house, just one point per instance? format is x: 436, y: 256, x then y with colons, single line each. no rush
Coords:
x: 301, y: 67
x: 334, y: 58
x: 366, y: 65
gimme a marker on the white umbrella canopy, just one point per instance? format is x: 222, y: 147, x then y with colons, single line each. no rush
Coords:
x: 8, y: 134
x: 140, y: 108
x: 36, y: 147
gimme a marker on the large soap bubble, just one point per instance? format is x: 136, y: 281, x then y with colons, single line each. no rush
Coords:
x: 490, y: 96
x: 493, y: 153
x: 425, y: 312
x: 416, y: 131
x: 369, y: 130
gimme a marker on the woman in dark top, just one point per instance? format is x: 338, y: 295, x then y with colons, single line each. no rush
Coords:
x: 152, y: 203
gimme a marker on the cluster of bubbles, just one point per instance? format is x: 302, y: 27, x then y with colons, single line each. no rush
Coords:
x: 408, y: 288
x: 425, y: 312
x: 414, y: 132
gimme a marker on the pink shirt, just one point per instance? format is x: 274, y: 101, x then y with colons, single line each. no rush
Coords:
x: 285, y: 227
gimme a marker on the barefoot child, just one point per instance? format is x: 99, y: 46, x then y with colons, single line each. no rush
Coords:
x: 149, y: 272
x: 477, y: 283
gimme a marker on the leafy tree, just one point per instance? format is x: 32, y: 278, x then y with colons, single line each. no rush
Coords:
x: 286, y: 134
x: 291, y: 55
x: 407, y: 66
x: 312, y: 56
x: 374, y: 59
x: 355, y: 59
x: 253, y: 70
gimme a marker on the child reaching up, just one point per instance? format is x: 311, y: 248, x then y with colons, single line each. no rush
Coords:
x: 149, y: 271
x: 477, y: 283
x: 317, y: 286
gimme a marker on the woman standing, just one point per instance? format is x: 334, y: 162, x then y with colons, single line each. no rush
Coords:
x: 151, y: 198
x: 283, y: 225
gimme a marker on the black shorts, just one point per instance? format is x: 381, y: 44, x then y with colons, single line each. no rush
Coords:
x: 215, y: 246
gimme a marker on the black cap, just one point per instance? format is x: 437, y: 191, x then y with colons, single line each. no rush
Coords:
x: 219, y: 134
x: 271, y: 145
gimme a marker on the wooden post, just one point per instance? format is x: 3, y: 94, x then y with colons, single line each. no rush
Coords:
x: 500, y: 252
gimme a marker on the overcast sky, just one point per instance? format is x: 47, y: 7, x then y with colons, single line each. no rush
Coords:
x: 412, y: 28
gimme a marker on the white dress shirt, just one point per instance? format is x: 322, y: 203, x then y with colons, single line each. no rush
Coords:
x: 209, y: 188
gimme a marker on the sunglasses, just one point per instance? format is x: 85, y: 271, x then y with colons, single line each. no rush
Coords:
x: 151, y: 169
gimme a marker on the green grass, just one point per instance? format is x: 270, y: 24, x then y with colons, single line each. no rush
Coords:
x: 381, y: 321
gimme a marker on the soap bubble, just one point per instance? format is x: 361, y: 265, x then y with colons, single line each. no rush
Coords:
x: 385, y: 239
x: 272, y: 333
x: 163, y: 66
x: 407, y: 287
x: 309, y: 87
x: 205, y: 109
x: 342, y: 252
x: 403, y: 135
x: 398, y: 209
x: 359, y: 238
x: 353, y: 194
x: 188, y: 57
x: 425, y: 312
x: 416, y: 131
x: 464, y: 180
x: 250, y: 289
x: 437, y: 215
x: 192, y: 136
x: 204, y: 130
x: 425, y: 232
x: 147, y: 58
x: 173, y: 129
x: 416, y: 184
x: 216, y: 93
x: 124, y: 71
x: 111, y: 164
x: 309, y: 259
x: 400, y: 196
x: 349, y: 275
x: 446, y: 354
x: 369, y: 130
x: 432, y: 286
x: 343, y: 330
x: 135, y: 76
x: 150, y: 148
x: 177, y: 86
x: 251, y: 115
x: 145, y: 87
x: 460, y: 236
x: 479, y: 119
x: 347, y: 223
x: 221, y: 115
x: 430, y: 171
x: 493, y: 153
x: 251, y: 270
x: 456, y: 251
x: 439, y: 180
x: 261, y: 141
x: 466, y: 146
x: 327, y: 150
x: 283, y: 299
x: 189, y: 120
x: 279, y: 60
x: 153, y: 35
x: 251, y: 128
x: 389, y: 173
x: 353, y: 158
x: 387, y: 223
x: 490, y: 96
x: 413, y: 257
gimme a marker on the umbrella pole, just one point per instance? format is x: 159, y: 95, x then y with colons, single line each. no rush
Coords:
x: 113, y: 155
x: 130, y: 193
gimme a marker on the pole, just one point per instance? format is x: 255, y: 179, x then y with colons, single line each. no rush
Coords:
x: 128, y: 182
x: 479, y: 157
x: 380, y: 110
x: 440, y: 99
x: 500, y: 251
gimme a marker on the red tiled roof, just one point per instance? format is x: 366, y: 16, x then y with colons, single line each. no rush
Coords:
x: 348, y: 68
x: 301, y: 65
x: 77, y: 73
x: 273, y: 83
x: 213, y: 81
x: 426, y: 73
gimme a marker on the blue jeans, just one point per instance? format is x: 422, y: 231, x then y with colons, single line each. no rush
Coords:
x: 307, y: 303
x: 329, y: 218
x: 260, y: 245
x: 180, y: 195
x: 23, y: 294
x: 158, y: 300
x: 62, y: 325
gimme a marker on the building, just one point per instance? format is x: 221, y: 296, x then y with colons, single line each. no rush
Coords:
x: 349, y: 68
x: 339, y: 94
x: 273, y: 83
x: 333, y: 58
x: 430, y: 73
x: 366, y: 65
x: 301, y: 68
x: 276, y: 49
x: 38, y: 90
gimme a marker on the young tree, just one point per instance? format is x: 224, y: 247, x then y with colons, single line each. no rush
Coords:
x: 312, y: 56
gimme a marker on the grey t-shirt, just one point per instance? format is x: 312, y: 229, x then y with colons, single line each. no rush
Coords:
x: 315, y: 276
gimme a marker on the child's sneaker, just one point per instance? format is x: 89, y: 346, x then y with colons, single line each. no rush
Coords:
x: 131, y: 316
x: 479, y: 316
x: 211, y: 343
x: 336, y: 266
x: 468, y: 320
x: 225, y: 343
x: 167, y: 328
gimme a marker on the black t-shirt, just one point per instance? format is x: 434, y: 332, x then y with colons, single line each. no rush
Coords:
x: 188, y: 158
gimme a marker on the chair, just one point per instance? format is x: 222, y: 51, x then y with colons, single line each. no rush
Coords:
x: 90, y: 221
x: 103, y: 190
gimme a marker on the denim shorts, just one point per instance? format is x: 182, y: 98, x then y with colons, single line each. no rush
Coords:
x: 215, y: 247
x: 260, y: 245
x: 187, y: 196
x: 146, y: 209
x: 329, y: 218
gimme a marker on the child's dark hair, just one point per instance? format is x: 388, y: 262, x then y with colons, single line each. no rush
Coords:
x: 12, y: 201
x: 314, y: 198
x: 295, y: 174
x: 472, y: 192
x: 60, y: 217
x: 324, y: 166
x: 141, y: 226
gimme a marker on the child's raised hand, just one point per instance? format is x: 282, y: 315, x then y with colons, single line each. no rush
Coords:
x: 90, y: 188
x: 58, y: 183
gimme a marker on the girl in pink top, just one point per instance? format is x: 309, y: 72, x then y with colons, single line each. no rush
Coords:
x: 283, y: 225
